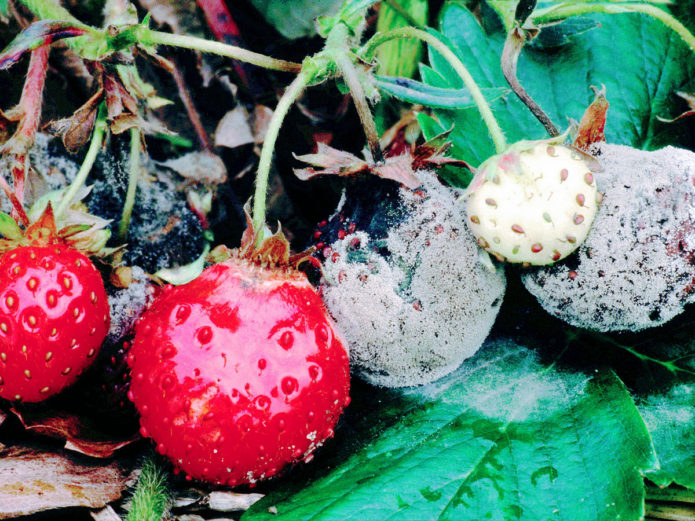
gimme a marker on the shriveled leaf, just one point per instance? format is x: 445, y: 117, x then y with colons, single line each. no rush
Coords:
x: 234, y: 129
x: 78, y: 433
x: 593, y: 123
x: 76, y: 130
x: 332, y: 161
x: 43, y: 32
x: 508, y: 436
x: 436, y: 97
x: 198, y: 167
x: 32, y: 481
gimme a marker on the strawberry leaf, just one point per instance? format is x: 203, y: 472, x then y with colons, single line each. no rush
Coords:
x: 559, y: 79
x: 436, y: 97
x: 506, y: 437
x: 43, y: 32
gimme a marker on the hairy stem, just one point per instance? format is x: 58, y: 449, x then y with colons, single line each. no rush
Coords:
x: 133, y: 176
x: 483, y: 107
x: 510, y: 56
x: 294, y: 90
x: 337, y: 43
x: 86, y: 167
x: 150, y: 499
x: 219, y: 48
x: 566, y: 11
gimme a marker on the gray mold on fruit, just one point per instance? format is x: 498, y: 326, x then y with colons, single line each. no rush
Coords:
x: 636, y: 268
x: 415, y: 305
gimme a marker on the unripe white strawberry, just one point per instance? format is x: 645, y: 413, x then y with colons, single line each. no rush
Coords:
x: 533, y: 204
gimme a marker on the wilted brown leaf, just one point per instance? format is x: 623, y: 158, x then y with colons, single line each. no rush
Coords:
x: 199, y: 167
x: 78, y: 434
x: 33, y: 481
x: 234, y: 129
x: 400, y: 168
x: 77, y: 129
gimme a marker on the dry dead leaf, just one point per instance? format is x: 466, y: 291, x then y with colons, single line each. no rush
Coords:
x: 690, y: 99
x: 79, y: 436
x: 33, y: 481
x: 234, y: 129
x: 400, y: 168
x: 106, y: 514
x: 198, y: 167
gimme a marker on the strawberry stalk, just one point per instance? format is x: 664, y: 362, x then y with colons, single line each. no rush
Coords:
x: 30, y: 114
x: 557, y: 14
x: 149, y: 37
x: 337, y: 46
x: 133, y: 175
x: 367, y: 52
x: 150, y: 499
x: 292, y: 93
x: 94, y: 147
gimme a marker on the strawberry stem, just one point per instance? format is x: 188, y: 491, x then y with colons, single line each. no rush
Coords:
x: 133, y: 176
x: 292, y: 93
x: 86, y: 167
x: 149, y: 37
x: 337, y: 44
x: 566, y: 11
x: 483, y: 107
x: 150, y: 499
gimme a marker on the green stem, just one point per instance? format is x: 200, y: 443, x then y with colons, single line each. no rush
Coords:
x: 337, y: 45
x: 150, y: 498
x: 133, y: 176
x: 92, y: 152
x: 150, y: 37
x: 294, y: 90
x: 565, y: 11
x: 483, y: 107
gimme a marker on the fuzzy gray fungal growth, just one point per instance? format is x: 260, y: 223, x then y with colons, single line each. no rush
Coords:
x: 416, y: 304
x: 636, y: 268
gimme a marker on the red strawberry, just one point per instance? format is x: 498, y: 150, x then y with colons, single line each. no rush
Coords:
x: 241, y: 371
x: 54, y: 315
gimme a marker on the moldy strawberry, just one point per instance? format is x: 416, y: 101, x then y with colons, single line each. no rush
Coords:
x: 241, y: 371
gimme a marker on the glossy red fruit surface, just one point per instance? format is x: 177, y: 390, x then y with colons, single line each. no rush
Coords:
x: 54, y: 315
x: 238, y: 373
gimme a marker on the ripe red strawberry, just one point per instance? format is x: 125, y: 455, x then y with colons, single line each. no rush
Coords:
x: 241, y: 371
x: 54, y: 315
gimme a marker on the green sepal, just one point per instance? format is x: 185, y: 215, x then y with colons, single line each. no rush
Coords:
x: 187, y: 273
x: 9, y: 228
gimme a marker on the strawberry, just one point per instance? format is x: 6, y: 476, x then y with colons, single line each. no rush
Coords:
x: 54, y: 312
x: 533, y: 204
x: 636, y: 269
x: 241, y: 371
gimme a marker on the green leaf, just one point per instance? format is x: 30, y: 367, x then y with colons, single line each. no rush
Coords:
x: 296, y: 19
x: 436, y: 97
x: 400, y: 57
x: 641, y: 83
x: 506, y: 437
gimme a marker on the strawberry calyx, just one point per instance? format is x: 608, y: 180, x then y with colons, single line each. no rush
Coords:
x: 268, y: 251
x: 77, y: 229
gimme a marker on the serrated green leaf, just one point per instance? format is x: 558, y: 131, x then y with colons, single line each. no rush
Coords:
x: 640, y: 85
x: 296, y: 19
x: 506, y: 437
x: 436, y: 97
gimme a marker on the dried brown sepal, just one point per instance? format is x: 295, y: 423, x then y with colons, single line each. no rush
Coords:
x: 593, y: 123
x: 76, y: 130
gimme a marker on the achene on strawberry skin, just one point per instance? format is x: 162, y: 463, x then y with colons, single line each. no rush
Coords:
x: 239, y: 372
x: 54, y: 315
